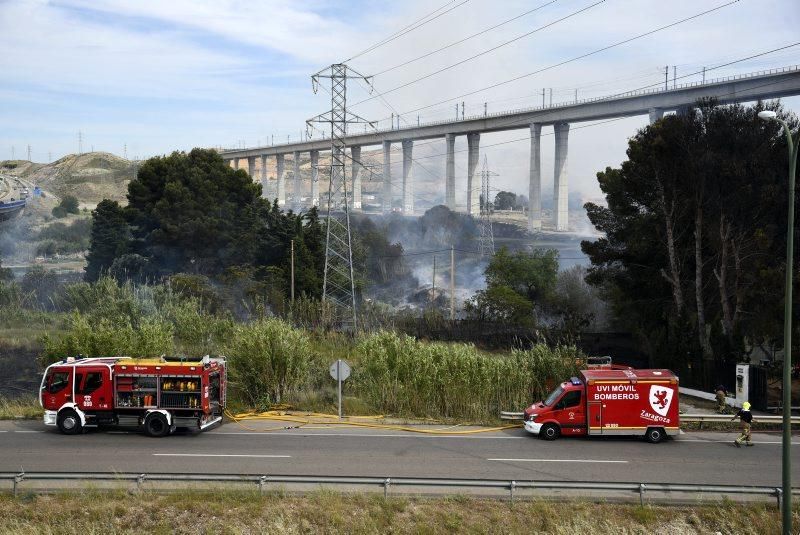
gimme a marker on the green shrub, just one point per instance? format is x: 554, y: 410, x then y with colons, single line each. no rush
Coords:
x: 267, y: 360
x: 400, y: 375
x: 152, y: 337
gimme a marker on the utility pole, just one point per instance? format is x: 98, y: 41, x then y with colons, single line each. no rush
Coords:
x: 666, y: 77
x: 452, y: 283
x: 125, y: 151
x: 80, y: 142
x: 485, y: 109
x: 462, y: 110
x: 338, y: 286
x: 551, y: 97
x: 576, y: 95
x: 542, y: 97
x: 674, y: 77
x: 29, y: 152
x: 392, y: 120
x: 433, y: 282
x: 704, y: 75
x: 486, y: 246
x: 456, y: 111
x: 292, y: 271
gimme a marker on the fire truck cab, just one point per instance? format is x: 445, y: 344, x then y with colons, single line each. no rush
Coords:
x: 157, y: 395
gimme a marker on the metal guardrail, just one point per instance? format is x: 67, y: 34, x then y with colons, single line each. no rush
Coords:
x: 696, y: 418
x: 262, y: 481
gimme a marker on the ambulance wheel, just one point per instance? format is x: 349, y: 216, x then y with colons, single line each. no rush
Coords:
x: 550, y: 432
x: 69, y: 422
x: 654, y: 435
x: 156, y: 425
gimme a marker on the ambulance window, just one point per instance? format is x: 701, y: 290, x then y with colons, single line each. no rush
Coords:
x: 58, y: 382
x: 570, y: 399
x: 93, y: 381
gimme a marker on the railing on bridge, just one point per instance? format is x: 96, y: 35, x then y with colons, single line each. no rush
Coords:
x: 565, y: 104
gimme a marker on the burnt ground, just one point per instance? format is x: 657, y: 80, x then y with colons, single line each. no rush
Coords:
x: 21, y: 373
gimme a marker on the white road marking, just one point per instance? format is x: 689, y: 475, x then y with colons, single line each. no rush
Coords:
x: 557, y: 460
x: 220, y: 455
x: 768, y: 442
x: 406, y: 435
x: 29, y: 431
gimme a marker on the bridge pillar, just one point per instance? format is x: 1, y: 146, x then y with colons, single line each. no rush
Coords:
x: 535, y: 179
x: 655, y: 114
x: 281, y: 164
x: 264, y: 183
x: 561, y: 184
x: 235, y: 162
x: 355, y: 155
x: 387, y: 177
x: 450, y: 172
x: 473, y: 192
x: 314, y: 178
x: 251, y: 166
x: 683, y: 111
x: 408, y: 177
x: 297, y: 192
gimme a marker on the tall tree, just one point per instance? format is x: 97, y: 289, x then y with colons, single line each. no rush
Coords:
x: 193, y: 213
x: 109, y: 238
x: 692, y: 252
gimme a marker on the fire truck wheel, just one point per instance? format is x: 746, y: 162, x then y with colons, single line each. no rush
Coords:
x: 69, y: 422
x: 654, y: 435
x: 156, y: 425
x: 550, y: 432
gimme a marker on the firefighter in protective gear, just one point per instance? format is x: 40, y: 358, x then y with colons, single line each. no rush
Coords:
x: 720, y: 392
x: 746, y: 417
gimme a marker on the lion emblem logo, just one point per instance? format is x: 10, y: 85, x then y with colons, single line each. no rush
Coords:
x: 661, y: 398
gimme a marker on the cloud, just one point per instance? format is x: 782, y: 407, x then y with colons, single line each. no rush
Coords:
x: 164, y: 75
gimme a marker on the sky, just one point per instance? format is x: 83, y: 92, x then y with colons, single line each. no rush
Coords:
x: 143, y: 78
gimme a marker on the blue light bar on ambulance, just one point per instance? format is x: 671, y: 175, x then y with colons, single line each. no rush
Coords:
x: 575, y: 381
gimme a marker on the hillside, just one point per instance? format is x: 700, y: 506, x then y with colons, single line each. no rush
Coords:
x: 91, y: 177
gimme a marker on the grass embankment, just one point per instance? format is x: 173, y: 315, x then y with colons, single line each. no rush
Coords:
x: 330, y: 512
x: 26, y: 407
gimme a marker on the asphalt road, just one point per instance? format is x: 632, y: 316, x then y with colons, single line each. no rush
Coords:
x: 697, y: 457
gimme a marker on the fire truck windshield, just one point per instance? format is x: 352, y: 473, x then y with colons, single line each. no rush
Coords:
x: 553, y: 396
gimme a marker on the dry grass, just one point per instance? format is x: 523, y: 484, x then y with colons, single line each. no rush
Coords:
x: 330, y: 512
x: 26, y: 407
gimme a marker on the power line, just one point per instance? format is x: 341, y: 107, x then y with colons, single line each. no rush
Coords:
x: 454, y: 43
x: 410, y: 28
x: 512, y: 122
x: 452, y: 65
x: 556, y: 65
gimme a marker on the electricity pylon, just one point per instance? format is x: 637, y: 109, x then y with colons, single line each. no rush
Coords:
x: 486, y: 245
x: 338, y: 285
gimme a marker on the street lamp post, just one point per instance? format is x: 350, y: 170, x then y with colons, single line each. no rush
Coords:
x: 787, y: 331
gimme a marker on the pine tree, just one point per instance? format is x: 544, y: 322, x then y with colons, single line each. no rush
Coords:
x: 109, y: 239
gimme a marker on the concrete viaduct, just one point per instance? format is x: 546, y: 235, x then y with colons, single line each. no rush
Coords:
x: 653, y: 102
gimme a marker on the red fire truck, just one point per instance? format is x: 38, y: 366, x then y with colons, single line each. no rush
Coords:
x: 609, y: 402
x: 157, y: 395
